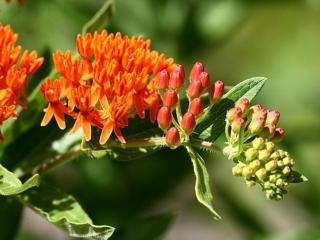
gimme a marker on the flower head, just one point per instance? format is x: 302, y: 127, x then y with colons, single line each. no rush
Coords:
x: 111, y: 81
x: 14, y: 74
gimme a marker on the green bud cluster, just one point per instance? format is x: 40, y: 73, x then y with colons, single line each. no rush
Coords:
x: 251, y: 136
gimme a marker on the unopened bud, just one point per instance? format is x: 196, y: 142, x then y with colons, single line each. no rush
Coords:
x: 288, y: 161
x: 188, y: 122
x: 173, y: 137
x: 250, y: 183
x: 267, y: 185
x: 270, y: 146
x: 177, y: 77
x: 196, y: 70
x: 162, y: 79
x: 255, y: 165
x: 258, y: 143
x: 286, y: 170
x: 243, y: 104
x: 170, y: 99
x: 273, y: 178
x: 251, y: 154
x: 261, y: 174
x: 237, y: 170
x: 264, y: 155
x: 278, y: 134
x: 256, y: 125
x: 268, y: 130
x: 280, y: 182
x: 256, y: 108
x: 247, y: 171
x: 204, y: 79
x: 164, y: 118
x: 233, y: 114
x: 275, y: 155
x: 196, y: 107
x: 237, y: 124
x: 272, y: 117
x: 194, y: 89
x: 217, y: 91
x: 271, y: 165
x: 280, y: 163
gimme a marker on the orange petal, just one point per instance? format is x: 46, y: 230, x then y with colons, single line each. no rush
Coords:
x: 105, y: 103
x: 106, y: 132
x: 77, y: 124
x: 86, y: 126
x: 118, y: 133
x: 58, y: 115
x: 47, y: 116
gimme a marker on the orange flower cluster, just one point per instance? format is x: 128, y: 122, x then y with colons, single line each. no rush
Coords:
x: 110, y: 82
x: 13, y: 76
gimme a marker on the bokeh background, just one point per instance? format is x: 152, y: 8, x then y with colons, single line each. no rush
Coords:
x: 153, y: 198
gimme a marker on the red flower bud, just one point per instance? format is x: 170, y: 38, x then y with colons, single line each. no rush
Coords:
x: 173, y: 137
x: 196, y: 107
x: 278, y: 135
x: 204, y: 78
x: 217, y: 91
x: 243, y: 104
x: 162, y: 79
x: 272, y: 117
x: 233, y: 114
x: 196, y: 70
x: 170, y: 99
x: 164, y: 118
x: 188, y: 122
x: 177, y: 77
x: 237, y: 124
x: 194, y: 89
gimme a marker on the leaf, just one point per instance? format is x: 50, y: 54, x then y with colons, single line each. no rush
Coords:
x: 296, y: 177
x: 202, y: 186
x: 65, y: 212
x: 11, y: 185
x: 101, y: 19
x: 212, y: 125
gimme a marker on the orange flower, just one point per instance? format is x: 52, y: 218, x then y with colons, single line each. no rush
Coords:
x: 109, y: 83
x: 14, y: 75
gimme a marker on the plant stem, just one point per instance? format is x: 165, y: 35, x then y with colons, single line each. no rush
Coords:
x: 205, y: 144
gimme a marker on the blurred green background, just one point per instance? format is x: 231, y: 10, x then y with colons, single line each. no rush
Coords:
x: 153, y: 198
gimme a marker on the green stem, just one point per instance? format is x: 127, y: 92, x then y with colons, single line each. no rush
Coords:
x: 205, y: 145
x: 178, y: 110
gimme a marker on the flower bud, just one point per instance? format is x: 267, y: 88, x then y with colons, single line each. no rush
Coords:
x: 196, y: 70
x: 237, y: 124
x: 258, y: 143
x: 217, y: 91
x: 272, y: 165
x: 267, y: 185
x: 170, y: 99
x: 256, y: 125
x: 177, y: 77
x: 173, y: 137
x: 287, y: 161
x: 275, y: 155
x: 194, y: 89
x: 256, y: 108
x: 250, y: 183
x: 243, y: 104
x: 164, y: 118
x: 188, y: 122
x: 280, y: 163
x: 273, y: 177
x: 237, y: 170
x: 280, y: 182
x: 233, y: 114
x: 261, y: 174
x: 247, y: 171
x: 196, y: 107
x: 264, y: 155
x: 270, y: 146
x: 251, y: 154
x: 286, y: 170
x: 255, y: 165
x: 268, y: 130
x: 204, y: 79
x: 278, y: 135
x: 162, y: 79
x: 272, y: 117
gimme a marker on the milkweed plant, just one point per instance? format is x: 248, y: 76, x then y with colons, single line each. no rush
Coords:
x: 112, y: 80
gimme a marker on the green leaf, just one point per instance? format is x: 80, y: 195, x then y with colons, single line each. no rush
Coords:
x: 101, y: 19
x: 212, y: 125
x: 65, y: 212
x: 11, y: 185
x: 296, y: 177
x: 202, y: 186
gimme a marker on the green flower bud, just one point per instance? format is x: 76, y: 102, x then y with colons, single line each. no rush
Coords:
x: 286, y: 170
x: 272, y: 165
x: 237, y: 170
x: 250, y: 183
x: 275, y: 155
x: 264, y: 155
x: 261, y: 174
x: 247, y: 171
x: 280, y: 182
x: 280, y: 163
x: 267, y: 185
x: 287, y: 161
x: 258, y: 143
x: 255, y: 165
x: 270, y: 146
x: 270, y: 194
x: 273, y: 178
x: 237, y: 124
x: 251, y: 154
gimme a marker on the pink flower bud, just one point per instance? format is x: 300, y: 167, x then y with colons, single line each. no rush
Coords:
x: 188, y: 122
x: 204, y: 78
x: 196, y: 70
x: 278, y: 135
x: 217, y: 91
x: 243, y: 104
x: 194, y: 89
x: 233, y: 114
x: 177, y: 77
x: 196, y: 107
x: 237, y: 124
x: 170, y: 99
x: 272, y: 117
x: 256, y: 108
x: 260, y: 114
x: 162, y: 79
x: 173, y: 137
x: 164, y: 118
x: 256, y: 125
x: 268, y: 130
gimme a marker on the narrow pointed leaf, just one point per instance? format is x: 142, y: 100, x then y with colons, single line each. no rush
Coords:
x: 296, y: 177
